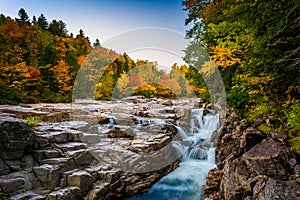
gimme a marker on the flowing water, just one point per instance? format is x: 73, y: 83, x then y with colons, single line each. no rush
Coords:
x: 197, y: 158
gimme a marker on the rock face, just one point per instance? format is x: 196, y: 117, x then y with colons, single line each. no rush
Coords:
x: 269, y: 158
x: 90, y: 158
x: 15, y: 138
x: 252, y: 165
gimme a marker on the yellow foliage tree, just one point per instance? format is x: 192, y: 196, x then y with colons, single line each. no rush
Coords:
x: 14, y: 75
x: 223, y: 57
x: 63, y: 76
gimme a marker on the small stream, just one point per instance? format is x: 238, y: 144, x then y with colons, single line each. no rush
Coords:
x: 197, y: 158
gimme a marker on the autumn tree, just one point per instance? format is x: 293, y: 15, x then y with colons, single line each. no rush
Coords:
x: 35, y: 61
x: 250, y: 43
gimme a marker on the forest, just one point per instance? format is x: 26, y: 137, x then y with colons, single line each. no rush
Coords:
x: 256, y: 47
x: 40, y: 60
x: 254, y: 44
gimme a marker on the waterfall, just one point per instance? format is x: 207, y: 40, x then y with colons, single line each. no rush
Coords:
x: 181, y: 132
x: 197, y: 158
x: 211, y: 155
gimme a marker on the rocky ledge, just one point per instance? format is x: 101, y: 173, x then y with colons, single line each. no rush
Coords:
x: 89, y: 151
x: 252, y: 165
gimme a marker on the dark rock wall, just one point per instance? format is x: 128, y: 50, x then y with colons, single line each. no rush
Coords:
x: 252, y: 165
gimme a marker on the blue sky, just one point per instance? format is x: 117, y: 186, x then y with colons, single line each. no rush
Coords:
x: 104, y: 19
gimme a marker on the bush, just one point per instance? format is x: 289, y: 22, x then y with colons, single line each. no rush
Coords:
x: 293, y: 116
x: 32, y: 122
x: 238, y: 99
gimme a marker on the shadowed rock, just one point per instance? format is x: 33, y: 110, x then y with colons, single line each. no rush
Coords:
x: 269, y: 158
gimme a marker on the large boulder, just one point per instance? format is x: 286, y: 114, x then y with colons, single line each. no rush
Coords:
x: 65, y: 193
x: 269, y: 158
x: 237, y: 142
x: 277, y: 189
x: 235, y: 176
x: 214, y: 178
x: 81, y: 179
x: 15, y: 138
x: 48, y: 175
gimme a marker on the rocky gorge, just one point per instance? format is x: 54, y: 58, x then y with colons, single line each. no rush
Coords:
x: 92, y: 150
x: 119, y: 149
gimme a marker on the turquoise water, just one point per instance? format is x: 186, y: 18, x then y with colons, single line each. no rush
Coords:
x: 185, y: 182
x: 188, y: 180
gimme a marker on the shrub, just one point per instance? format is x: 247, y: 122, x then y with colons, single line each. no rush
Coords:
x: 32, y: 122
x: 293, y: 116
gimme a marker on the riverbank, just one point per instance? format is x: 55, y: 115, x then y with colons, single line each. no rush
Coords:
x: 91, y: 150
x: 252, y: 164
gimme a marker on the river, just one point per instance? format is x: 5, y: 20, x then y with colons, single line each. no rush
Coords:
x: 187, y: 181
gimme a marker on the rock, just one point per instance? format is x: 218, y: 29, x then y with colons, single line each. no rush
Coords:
x: 81, y: 157
x: 40, y: 155
x: 59, y: 136
x: 25, y: 105
x: 103, y: 119
x: 167, y: 103
x: 297, y: 171
x: 4, y: 169
x: 15, y: 138
x: 48, y: 175
x: 213, y: 179
x: 28, y: 163
x: 279, y: 137
x: 228, y: 145
x: 236, y: 143
x: 14, y: 165
x: 27, y: 195
x: 250, y: 138
x: 81, y: 179
x: 235, y: 173
x: 109, y: 176
x: 68, y: 193
x: 205, y: 112
x: 12, y: 185
x: 120, y: 132
x: 277, y: 189
x: 71, y: 146
x: 99, y: 191
x: 28, y: 179
x: 269, y: 158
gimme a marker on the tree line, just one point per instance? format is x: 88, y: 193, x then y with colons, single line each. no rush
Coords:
x: 40, y: 62
x: 39, y: 59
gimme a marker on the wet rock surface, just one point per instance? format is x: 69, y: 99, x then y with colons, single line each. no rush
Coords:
x: 92, y: 150
x: 252, y: 164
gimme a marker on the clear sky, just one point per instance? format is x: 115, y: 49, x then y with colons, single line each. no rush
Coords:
x: 103, y: 19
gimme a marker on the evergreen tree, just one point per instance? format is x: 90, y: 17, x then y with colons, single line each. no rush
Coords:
x: 81, y: 33
x: 42, y: 22
x: 58, y: 28
x: 24, y: 19
x: 34, y: 21
x: 97, y: 43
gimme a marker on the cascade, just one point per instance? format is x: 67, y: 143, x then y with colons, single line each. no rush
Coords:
x: 197, y: 158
